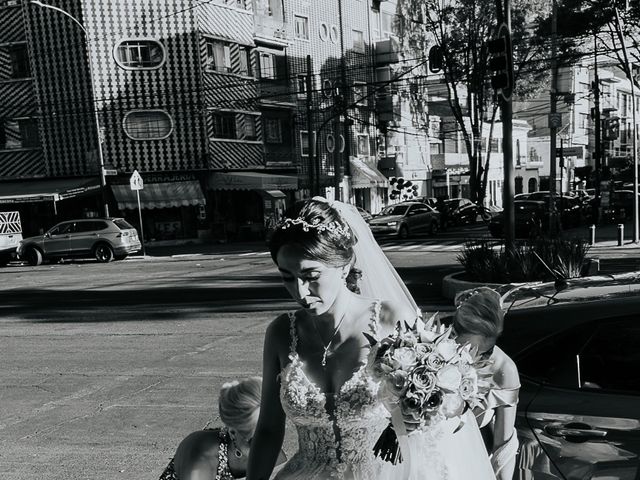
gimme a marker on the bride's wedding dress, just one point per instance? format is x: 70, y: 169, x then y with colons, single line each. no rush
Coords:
x: 334, y: 443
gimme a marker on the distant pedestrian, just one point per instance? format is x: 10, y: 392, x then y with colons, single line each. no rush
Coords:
x: 443, y: 207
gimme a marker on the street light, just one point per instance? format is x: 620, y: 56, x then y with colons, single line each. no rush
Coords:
x: 103, y: 183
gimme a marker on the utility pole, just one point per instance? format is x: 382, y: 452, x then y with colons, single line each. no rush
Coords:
x: 629, y: 65
x: 596, y: 118
x: 555, y: 121
x: 344, y: 90
x: 310, y: 142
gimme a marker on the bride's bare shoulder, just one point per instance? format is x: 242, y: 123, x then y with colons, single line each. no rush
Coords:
x: 279, y: 330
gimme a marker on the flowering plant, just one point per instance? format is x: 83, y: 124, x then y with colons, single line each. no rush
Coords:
x: 426, y: 377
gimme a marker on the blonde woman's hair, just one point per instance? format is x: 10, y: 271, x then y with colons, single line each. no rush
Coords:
x: 479, y: 312
x: 239, y: 405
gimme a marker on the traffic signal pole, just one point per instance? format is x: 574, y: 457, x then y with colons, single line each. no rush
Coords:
x: 505, y: 83
x: 553, y: 124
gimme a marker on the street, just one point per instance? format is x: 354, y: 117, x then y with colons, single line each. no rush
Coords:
x: 107, y: 366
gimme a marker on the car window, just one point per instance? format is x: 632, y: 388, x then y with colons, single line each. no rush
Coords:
x: 395, y: 210
x: 599, y: 355
x: 62, y: 229
x: 123, y: 224
x: 419, y: 209
x: 90, y: 226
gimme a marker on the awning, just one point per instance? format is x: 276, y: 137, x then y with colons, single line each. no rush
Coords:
x: 160, y: 195
x: 251, y: 181
x: 46, y: 190
x: 366, y: 176
x: 272, y: 194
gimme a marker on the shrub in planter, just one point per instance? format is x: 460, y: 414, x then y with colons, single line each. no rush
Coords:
x: 544, y: 259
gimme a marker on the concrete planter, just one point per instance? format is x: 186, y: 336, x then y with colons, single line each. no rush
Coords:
x: 452, y: 285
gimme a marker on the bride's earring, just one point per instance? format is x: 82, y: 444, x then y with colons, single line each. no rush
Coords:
x: 237, y: 453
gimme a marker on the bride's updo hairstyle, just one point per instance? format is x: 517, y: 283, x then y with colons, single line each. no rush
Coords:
x: 479, y: 312
x: 318, y: 231
x: 239, y: 405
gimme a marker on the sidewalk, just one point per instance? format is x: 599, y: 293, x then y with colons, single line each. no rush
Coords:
x: 193, y: 248
x: 606, y: 238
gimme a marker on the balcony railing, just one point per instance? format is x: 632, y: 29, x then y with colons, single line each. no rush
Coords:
x: 271, y: 28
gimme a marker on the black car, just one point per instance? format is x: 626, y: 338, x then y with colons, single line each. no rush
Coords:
x: 570, y: 209
x: 530, y: 217
x: 460, y: 211
x: 579, y: 362
x: 619, y: 206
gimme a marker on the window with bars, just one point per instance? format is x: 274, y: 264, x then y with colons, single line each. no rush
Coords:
x: 273, y: 130
x: 218, y: 56
x: 19, y: 133
x: 224, y: 125
x: 139, y: 54
x: 19, y: 61
x: 301, y: 27
x: 148, y: 124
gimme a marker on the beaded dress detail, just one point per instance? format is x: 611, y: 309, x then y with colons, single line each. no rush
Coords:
x: 332, y: 442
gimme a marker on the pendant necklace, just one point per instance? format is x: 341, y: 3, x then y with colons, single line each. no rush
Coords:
x: 328, y: 345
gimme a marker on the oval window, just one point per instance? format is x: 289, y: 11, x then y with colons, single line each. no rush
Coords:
x: 147, y: 125
x: 334, y: 34
x: 139, y: 54
x: 331, y: 143
x: 324, y: 32
x: 327, y: 88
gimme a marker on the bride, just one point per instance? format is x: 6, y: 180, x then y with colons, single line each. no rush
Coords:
x: 314, y: 358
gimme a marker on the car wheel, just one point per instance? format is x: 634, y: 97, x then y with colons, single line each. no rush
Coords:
x: 33, y: 256
x: 433, y: 229
x: 120, y: 257
x: 103, y: 253
x: 403, y: 232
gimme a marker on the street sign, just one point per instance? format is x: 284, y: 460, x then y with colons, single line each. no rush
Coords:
x: 106, y: 172
x: 135, y: 181
x: 570, y: 152
x: 555, y: 120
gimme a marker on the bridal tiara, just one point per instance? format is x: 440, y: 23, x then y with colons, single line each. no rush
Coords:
x: 331, y: 227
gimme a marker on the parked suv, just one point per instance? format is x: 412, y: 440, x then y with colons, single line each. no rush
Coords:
x: 104, y: 239
x: 403, y: 219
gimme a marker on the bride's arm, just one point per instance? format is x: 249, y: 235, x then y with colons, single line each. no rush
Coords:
x: 505, y: 440
x: 269, y: 435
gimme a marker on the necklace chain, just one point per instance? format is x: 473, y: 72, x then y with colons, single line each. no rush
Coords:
x: 333, y: 336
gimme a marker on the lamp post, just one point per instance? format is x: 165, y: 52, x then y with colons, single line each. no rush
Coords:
x: 103, y: 183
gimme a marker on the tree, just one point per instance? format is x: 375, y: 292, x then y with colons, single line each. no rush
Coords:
x: 461, y: 28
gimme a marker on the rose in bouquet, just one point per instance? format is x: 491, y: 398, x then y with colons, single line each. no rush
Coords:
x: 426, y: 377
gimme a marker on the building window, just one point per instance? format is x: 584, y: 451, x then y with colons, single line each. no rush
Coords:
x: 273, y: 130
x: 334, y: 34
x: 224, y: 125
x: 363, y: 145
x: 218, y: 56
x: 358, y: 40
x: 302, y: 27
x: 148, y: 124
x: 139, y: 54
x: 360, y: 94
x: 304, y: 143
x: 249, y: 122
x: 245, y: 62
x: 302, y: 85
x: 19, y: 60
x: 19, y: 133
x: 267, y: 65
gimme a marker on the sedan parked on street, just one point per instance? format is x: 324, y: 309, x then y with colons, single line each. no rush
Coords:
x: 531, y: 220
x: 571, y: 209
x: 104, y: 239
x: 461, y: 211
x: 577, y: 353
x: 404, y: 219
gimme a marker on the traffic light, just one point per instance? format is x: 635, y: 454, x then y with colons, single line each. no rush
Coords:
x: 500, y: 61
x: 436, y: 59
x: 611, y: 128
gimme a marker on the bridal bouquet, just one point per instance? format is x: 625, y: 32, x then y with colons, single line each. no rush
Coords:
x: 426, y: 377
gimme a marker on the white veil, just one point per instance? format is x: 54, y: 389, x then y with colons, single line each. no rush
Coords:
x: 380, y: 279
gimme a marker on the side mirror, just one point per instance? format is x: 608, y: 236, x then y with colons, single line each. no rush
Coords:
x: 47, y: 235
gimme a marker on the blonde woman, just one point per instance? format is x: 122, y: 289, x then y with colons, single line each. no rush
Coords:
x: 221, y: 453
x: 479, y: 321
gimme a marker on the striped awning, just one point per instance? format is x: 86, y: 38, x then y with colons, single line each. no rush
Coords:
x: 160, y: 195
x: 366, y: 176
x: 226, y: 23
x: 252, y: 181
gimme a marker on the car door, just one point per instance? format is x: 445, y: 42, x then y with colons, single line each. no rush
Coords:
x: 84, y: 236
x: 56, y: 240
x: 417, y: 217
x: 583, y: 420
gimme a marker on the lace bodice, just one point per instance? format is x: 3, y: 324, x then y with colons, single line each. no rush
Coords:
x: 333, y: 442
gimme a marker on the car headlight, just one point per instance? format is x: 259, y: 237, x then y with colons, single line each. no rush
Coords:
x: 392, y: 224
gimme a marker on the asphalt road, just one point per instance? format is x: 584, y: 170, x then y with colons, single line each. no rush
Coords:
x: 105, y: 367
